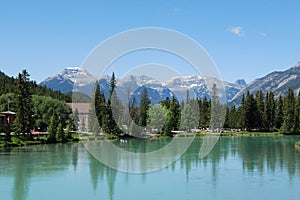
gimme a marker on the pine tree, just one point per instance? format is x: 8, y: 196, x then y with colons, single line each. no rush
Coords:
x: 52, y: 130
x: 249, y: 112
x: 260, y: 109
x: 241, y: 113
x: 76, y: 118
x: 204, y: 113
x: 109, y: 124
x: 143, y: 110
x: 157, y: 115
x: 296, y: 115
x: 69, y: 131
x: 279, y: 113
x: 60, y: 135
x: 174, y: 109
x: 169, y: 125
x: 269, y: 111
x: 217, y: 113
x: 188, y: 118
x: 288, y: 111
x: 24, y: 105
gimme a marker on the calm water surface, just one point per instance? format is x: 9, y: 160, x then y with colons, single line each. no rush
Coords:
x: 237, y: 168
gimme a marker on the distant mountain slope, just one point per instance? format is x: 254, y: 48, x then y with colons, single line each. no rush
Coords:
x: 278, y: 82
x: 9, y: 85
x: 197, y: 85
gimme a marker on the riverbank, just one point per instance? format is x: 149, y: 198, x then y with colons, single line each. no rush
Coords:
x: 15, y: 141
x: 24, y: 141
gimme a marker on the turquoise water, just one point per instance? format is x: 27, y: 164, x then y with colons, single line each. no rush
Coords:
x: 237, y: 168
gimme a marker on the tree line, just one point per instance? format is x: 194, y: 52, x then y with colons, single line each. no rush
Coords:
x: 259, y: 112
x: 9, y: 85
x: 35, y: 111
x: 264, y: 112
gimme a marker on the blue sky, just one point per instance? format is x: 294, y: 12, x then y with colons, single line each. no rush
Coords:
x: 246, y: 39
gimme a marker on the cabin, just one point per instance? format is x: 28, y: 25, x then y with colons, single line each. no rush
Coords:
x: 6, y: 120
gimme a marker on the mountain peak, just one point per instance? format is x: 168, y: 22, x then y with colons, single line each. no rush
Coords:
x: 72, y: 72
x: 297, y: 64
x: 240, y: 82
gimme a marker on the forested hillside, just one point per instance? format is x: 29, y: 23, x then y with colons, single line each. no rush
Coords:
x: 9, y: 85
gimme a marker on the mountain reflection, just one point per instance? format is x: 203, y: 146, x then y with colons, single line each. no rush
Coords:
x: 253, y: 154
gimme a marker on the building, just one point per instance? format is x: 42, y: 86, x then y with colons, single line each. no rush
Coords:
x: 83, y: 112
x: 6, y: 120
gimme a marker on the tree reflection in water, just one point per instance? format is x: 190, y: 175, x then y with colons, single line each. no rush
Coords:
x: 254, y: 154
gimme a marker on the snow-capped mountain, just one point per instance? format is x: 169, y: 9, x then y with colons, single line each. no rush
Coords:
x: 64, y: 81
x: 80, y: 80
x: 278, y: 82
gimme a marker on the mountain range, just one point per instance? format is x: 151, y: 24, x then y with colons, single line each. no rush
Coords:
x: 78, y: 79
x: 278, y: 82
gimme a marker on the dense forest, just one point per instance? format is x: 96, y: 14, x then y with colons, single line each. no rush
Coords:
x: 9, y: 85
x: 259, y: 112
x: 36, y: 108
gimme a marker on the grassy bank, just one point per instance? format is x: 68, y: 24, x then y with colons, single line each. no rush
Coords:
x: 23, y: 141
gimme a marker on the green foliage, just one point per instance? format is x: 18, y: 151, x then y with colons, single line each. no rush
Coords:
x: 52, y: 130
x: 279, y: 113
x: 45, y: 107
x: 69, y: 131
x: 188, y: 118
x: 157, y: 115
x: 204, y: 113
x: 260, y: 109
x: 143, y: 110
x: 60, y: 134
x: 24, y: 105
x: 9, y: 85
x: 135, y: 130
x: 4, y: 99
x: 76, y: 118
x: 250, y: 112
x: 289, y: 111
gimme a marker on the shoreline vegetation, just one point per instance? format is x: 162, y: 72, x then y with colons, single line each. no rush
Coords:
x: 257, y: 115
x: 24, y: 141
x: 77, y: 137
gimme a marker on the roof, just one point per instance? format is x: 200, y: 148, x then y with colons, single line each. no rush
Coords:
x: 82, y: 107
x: 7, y: 113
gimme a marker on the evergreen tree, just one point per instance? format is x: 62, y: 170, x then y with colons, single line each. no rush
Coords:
x: 204, y: 113
x: 169, y: 125
x: 97, y: 102
x: 233, y: 117
x: 217, y: 112
x: 52, y: 130
x: 279, y: 113
x: 143, y: 111
x: 112, y: 85
x: 174, y: 109
x: 288, y: 111
x: 249, y: 112
x: 188, y: 118
x: 296, y: 115
x: 24, y: 105
x: 76, y: 118
x: 156, y: 117
x: 69, y: 131
x: 60, y: 134
x: 260, y: 109
x: 241, y: 114
x: 109, y: 124
x: 268, y: 116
